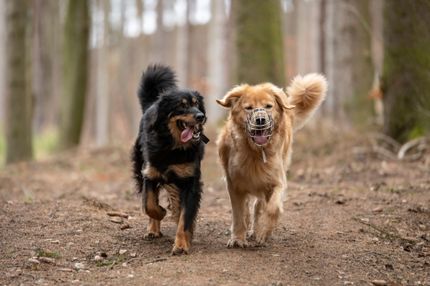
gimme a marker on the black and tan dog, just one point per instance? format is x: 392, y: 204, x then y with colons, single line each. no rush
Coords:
x: 168, y: 151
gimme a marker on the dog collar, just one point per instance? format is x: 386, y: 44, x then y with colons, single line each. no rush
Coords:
x: 204, y: 138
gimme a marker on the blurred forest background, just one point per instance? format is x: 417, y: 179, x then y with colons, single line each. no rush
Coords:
x: 69, y: 70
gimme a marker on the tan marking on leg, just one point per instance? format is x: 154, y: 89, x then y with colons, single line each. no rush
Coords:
x: 154, y: 229
x: 174, y: 201
x: 152, y: 208
x: 151, y: 172
x: 183, y: 170
x: 183, y: 238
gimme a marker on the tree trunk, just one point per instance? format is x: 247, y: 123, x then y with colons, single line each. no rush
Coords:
x: 406, y: 78
x: 159, y: 38
x: 139, y: 10
x: 322, y: 33
x: 307, y: 36
x: 348, y: 60
x: 2, y: 61
x: 360, y: 107
x: 76, y: 36
x: 102, y: 94
x: 44, y: 36
x: 182, y: 39
x: 290, y: 35
x: 216, y: 62
x: 18, y: 98
x: 259, y: 41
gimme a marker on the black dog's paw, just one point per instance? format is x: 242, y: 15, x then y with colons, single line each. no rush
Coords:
x: 179, y: 250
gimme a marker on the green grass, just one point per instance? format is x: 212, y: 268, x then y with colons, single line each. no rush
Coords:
x: 45, y: 253
x: 113, y: 260
x: 44, y: 144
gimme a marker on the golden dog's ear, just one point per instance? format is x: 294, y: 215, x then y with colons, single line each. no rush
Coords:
x: 280, y: 97
x: 232, y: 96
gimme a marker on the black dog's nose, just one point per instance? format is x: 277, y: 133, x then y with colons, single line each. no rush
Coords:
x: 200, y: 117
x: 260, y: 121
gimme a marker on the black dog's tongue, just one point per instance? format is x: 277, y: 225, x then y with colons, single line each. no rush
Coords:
x: 204, y: 138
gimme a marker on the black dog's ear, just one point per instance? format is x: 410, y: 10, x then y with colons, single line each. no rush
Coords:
x: 200, y: 100
x: 151, y: 116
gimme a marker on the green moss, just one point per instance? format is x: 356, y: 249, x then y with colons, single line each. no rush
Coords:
x: 46, y: 253
x: 45, y: 143
x: 259, y: 41
x: 75, y: 56
x: 112, y: 260
x: 416, y: 132
x: 406, y: 66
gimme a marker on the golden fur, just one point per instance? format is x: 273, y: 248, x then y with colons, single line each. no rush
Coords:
x: 246, y: 173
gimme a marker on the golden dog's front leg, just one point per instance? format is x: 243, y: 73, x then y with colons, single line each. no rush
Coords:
x: 240, y: 217
x: 259, y: 206
x: 267, y: 220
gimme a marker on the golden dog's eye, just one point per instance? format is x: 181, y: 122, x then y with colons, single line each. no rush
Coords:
x: 248, y: 107
x: 268, y: 106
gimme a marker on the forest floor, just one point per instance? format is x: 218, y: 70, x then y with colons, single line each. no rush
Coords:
x: 350, y: 218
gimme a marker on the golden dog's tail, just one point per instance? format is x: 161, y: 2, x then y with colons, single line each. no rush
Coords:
x: 306, y: 93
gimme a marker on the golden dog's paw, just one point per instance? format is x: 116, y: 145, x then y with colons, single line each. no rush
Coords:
x: 152, y: 235
x: 250, y: 236
x: 179, y: 250
x: 237, y: 243
x: 261, y: 239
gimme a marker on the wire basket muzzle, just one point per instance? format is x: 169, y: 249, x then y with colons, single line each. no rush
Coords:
x: 259, y: 123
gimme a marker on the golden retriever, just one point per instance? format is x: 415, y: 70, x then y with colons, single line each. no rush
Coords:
x: 255, y: 149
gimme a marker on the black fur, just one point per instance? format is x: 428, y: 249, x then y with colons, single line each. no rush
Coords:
x: 155, y: 80
x: 155, y: 145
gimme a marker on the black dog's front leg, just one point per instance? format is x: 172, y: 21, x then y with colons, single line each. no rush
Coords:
x: 150, y: 200
x: 190, y: 194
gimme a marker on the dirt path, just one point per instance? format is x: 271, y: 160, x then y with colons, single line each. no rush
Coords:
x: 349, y: 219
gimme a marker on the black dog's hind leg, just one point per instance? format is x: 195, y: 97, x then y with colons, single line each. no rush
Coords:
x: 190, y: 203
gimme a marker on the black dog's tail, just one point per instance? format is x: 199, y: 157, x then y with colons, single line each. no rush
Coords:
x: 155, y: 80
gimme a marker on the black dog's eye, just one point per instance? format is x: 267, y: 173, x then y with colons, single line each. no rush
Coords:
x: 268, y: 106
